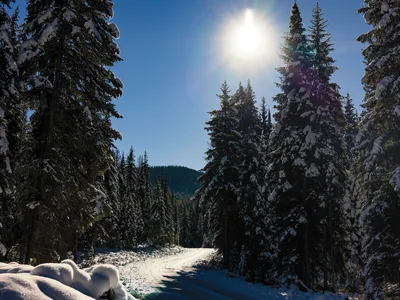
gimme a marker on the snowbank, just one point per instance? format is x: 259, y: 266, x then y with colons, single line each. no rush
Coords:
x: 63, y: 281
x: 119, y: 257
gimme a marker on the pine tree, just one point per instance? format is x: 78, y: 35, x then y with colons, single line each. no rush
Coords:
x: 288, y: 173
x: 129, y: 209
x: 184, y: 226
x: 10, y: 117
x: 158, y: 217
x: 218, y: 185
x: 351, y: 129
x: 331, y: 120
x: 252, y: 239
x: 69, y: 143
x: 306, y: 177
x: 145, y: 197
x: 169, y: 212
x: 111, y: 186
x: 379, y: 148
x: 176, y: 221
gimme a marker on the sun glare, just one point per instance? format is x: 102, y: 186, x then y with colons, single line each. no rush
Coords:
x: 249, y: 41
x: 248, y: 36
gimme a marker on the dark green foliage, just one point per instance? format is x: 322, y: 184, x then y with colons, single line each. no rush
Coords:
x: 144, y: 192
x: 69, y: 144
x: 378, y: 162
x: 11, y: 122
x: 181, y: 180
x: 351, y: 128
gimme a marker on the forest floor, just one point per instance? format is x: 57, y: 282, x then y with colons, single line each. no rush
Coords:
x: 179, y: 273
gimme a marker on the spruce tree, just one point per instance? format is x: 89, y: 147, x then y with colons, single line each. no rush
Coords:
x: 331, y: 150
x: 218, y: 184
x: 70, y: 120
x: 288, y: 172
x: 379, y: 150
x: 145, y: 198
x: 158, y: 218
x: 306, y: 177
x: 184, y: 234
x: 351, y: 129
x: 10, y: 118
x: 129, y: 209
x: 111, y: 186
x: 252, y: 238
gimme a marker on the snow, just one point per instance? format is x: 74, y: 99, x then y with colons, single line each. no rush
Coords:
x: 172, y: 273
x: 68, y: 16
x: 396, y: 111
x: 395, y: 180
x: 47, y: 15
x: 3, y: 249
x: 48, y: 33
x: 384, y: 7
x: 114, y: 30
x: 312, y: 171
x: 92, y: 29
x: 310, y: 136
x: 87, y: 111
x: 62, y: 281
x: 18, y: 286
x: 181, y: 276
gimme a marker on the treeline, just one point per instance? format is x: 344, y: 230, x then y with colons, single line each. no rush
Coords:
x: 62, y: 187
x: 182, y: 180
x: 139, y: 212
x: 314, y: 198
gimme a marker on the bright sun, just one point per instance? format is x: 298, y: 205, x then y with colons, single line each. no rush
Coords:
x: 248, y: 42
x: 248, y: 36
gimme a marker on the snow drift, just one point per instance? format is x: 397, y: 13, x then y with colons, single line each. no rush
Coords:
x: 63, y: 281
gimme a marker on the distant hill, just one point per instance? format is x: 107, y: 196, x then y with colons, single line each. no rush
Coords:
x: 181, y: 180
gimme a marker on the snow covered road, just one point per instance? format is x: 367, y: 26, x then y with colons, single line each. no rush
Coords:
x: 177, y: 277
x: 150, y: 275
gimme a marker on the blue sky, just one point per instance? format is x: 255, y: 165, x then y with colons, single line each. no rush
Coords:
x: 173, y: 67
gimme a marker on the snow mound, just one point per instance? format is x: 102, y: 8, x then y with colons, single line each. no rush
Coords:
x: 63, y: 281
x: 18, y: 286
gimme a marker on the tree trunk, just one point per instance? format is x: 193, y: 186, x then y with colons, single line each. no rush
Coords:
x: 325, y: 255
x: 306, y: 267
x: 226, y: 246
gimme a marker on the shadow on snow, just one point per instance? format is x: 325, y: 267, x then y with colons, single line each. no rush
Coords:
x: 201, y: 284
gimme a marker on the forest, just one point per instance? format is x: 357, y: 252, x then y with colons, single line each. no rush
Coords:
x: 304, y: 193
x: 312, y: 198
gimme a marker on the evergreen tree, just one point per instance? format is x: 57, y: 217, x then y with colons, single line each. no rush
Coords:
x: 379, y: 148
x: 351, y: 129
x: 265, y: 117
x: 288, y: 173
x: 69, y: 144
x: 10, y: 116
x: 184, y: 235
x: 176, y: 221
x: 252, y: 238
x: 169, y: 212
x: 111, y: 186
x: 218, y: 191
x: 331, y: 120
x: 129, y: 209
x: 158, y: 217
x: 145, y: 198
x: 121, y: 195
x: 306, y: 177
